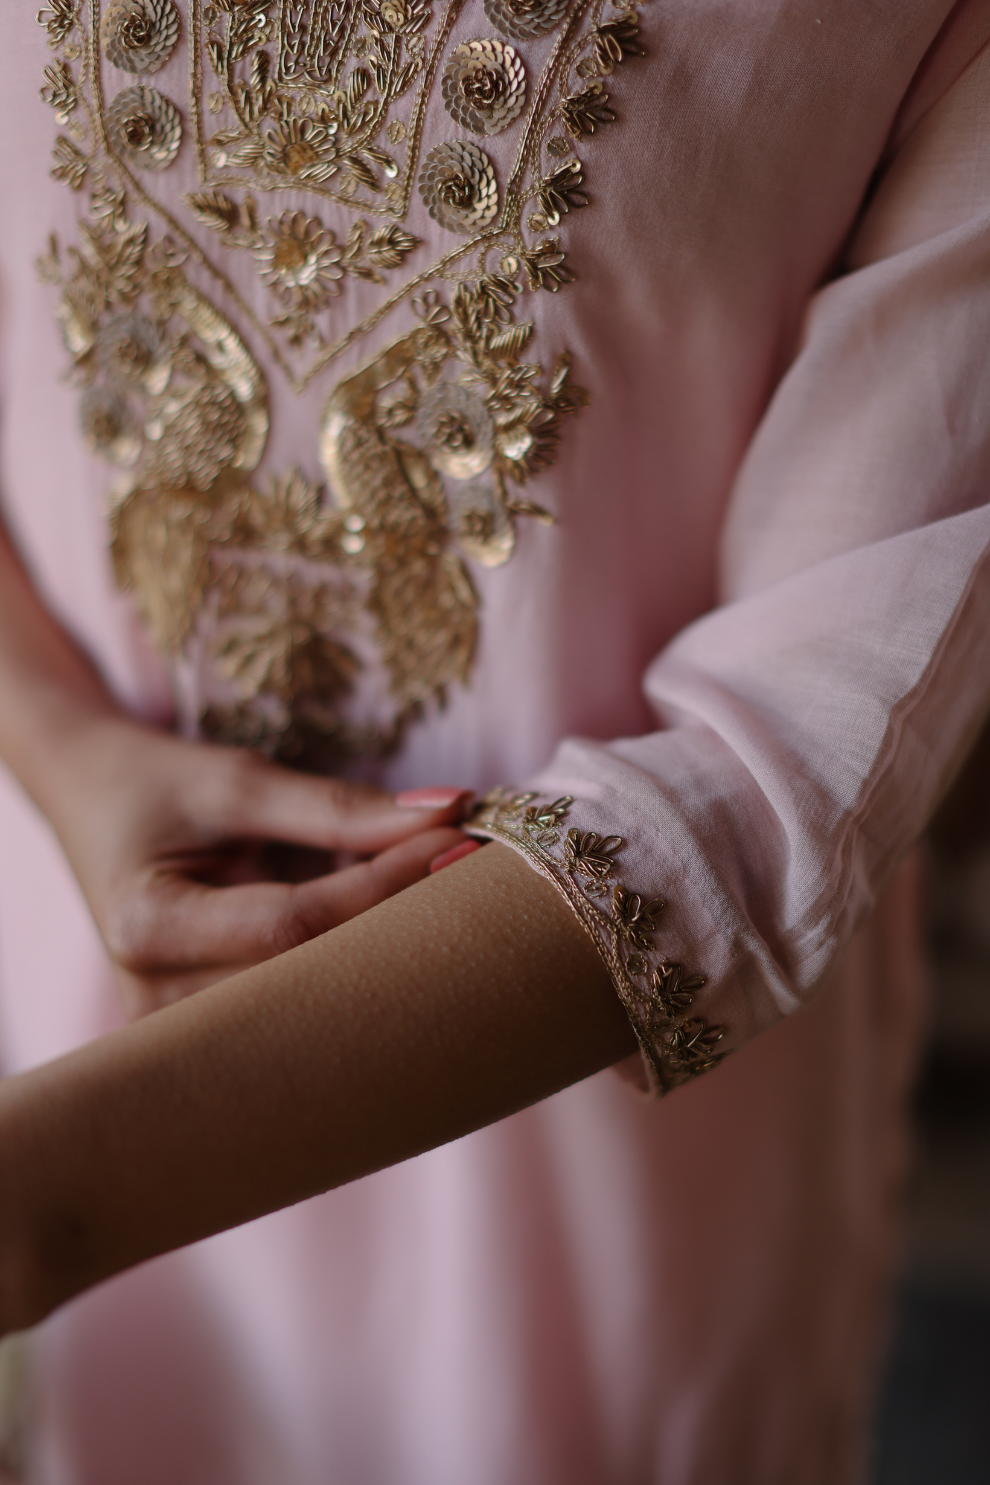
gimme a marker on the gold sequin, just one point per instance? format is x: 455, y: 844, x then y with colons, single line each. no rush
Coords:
x: 144, y: 128
x: 521, y: 20
x: 139, y: 35
x: 657, y: 994
x: 484, y: 86
x: 457, y: 183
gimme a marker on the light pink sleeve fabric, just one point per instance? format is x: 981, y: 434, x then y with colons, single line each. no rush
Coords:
x: 808, y: 726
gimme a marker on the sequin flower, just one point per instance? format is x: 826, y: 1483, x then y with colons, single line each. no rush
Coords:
x: 456, y: 428
x: 457, y: 183
x: 144, y: 128
x: 139, y: 35
x: 484, y: 86
x: 522, y: 19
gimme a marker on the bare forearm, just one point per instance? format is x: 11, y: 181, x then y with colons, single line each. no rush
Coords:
x: 450, y: 1006
x: 47, y: 686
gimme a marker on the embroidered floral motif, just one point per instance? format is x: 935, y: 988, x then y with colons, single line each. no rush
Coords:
x: 144, y: 128
x: 521, y: 20
x: 658, y: 995
x: 427, y: 445
x: 484, y: 86
x: 139, y: 35
x: 458, y: 186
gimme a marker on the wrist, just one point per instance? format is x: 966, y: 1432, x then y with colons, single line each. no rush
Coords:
x: 57, y: 738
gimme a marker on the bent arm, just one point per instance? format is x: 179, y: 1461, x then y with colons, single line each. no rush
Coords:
x: 456, y: 1003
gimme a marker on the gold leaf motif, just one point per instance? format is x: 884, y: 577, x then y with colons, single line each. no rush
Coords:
x: 561, y: 192
x: 387, y: 246
x: 590, y: 854
x: 583, y: 113
x: 139, y: 35
x: 616, y: 40
x: 636, y: 918
x: 144, y: 128
x: 215, y: 209
x: 545, y: 266
x: 457, y: 184
x: 484, y: 86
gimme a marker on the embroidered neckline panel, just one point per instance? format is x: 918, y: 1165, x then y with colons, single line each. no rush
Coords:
x: 293, y: 597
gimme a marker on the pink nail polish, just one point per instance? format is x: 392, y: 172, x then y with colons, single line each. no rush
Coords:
x: 454, y: 854
x: 429, y: 799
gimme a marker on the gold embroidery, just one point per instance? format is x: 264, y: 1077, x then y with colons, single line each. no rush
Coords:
x: 521, y: 20
x: 144, y: 128
x: 310, y: 94
x: 60, y: 91
x: 484, y: 86
x: 658, y: 995
x: 58, y: 19
x: 139, y: 35
x: 458, y: 186
x: 295, y: 602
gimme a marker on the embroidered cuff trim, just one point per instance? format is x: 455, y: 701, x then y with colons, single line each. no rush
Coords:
x: 657, y: 994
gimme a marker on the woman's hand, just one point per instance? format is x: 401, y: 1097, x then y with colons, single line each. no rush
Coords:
x: 198, y: 861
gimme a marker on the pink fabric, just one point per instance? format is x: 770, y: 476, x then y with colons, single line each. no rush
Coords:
x: 601, y: 1290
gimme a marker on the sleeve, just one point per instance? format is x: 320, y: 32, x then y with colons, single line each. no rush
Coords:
x: 808, y: 726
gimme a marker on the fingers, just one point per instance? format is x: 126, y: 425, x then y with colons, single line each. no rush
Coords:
x: 249, y: 796
x: 176, y: 926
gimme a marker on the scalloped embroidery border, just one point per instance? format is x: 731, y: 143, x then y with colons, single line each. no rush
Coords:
x: 657, y: 994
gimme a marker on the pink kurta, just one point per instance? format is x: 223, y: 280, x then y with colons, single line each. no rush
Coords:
x: 766, y: 578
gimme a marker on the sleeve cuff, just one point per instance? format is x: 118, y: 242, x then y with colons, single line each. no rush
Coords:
x: 584, y: 867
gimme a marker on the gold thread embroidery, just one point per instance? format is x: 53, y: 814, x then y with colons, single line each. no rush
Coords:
x: 658, y: 995
x: 424, y: 444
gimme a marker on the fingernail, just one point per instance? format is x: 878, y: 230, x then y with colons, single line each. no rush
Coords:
x: 454, y: 854
x: 429, y: 799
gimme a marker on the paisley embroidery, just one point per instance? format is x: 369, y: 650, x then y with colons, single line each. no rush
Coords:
x: 328, y: 616
x: 658, y: 995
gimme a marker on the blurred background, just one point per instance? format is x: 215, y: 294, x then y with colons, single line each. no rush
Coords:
x: 933, y: 1426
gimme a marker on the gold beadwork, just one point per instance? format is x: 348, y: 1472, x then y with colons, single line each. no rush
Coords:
x: 144, y: 128
x: 656, y: 993
x: 484, y: 86
x: 139, y: 35
x: 521, y: 20
x: 457, y: 183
